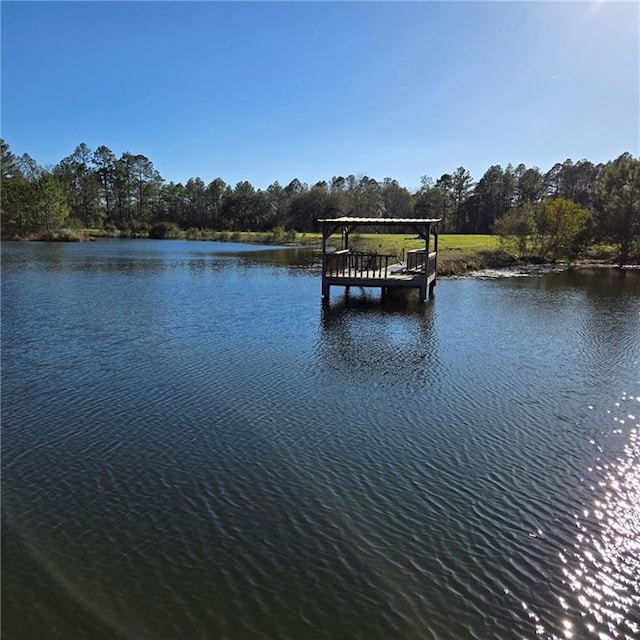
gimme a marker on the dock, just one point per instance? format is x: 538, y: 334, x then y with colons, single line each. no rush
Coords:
x: 346, y: 268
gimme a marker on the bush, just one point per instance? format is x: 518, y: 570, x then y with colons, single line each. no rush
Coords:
x: 74, y: 223
x: 60, y: 235
x: 556, y: 228
x: 517, y: 227
x: 165, y: 231
x: 135, y: 229
x: 280, y: 236
x: 193, y: 233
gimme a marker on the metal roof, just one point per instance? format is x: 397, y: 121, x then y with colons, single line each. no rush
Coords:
x: 348, y: 220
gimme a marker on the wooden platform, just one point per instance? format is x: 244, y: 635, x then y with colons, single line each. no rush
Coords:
x: 349, y: 268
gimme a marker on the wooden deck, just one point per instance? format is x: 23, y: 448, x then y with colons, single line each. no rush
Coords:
x: 371, y: 269
x: 349, y: 268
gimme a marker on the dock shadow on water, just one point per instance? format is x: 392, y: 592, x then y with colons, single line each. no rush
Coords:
x: 365, y: 336
x: 395, y: 301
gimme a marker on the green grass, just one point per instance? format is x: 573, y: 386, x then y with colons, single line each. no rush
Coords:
x: 454, y: 244
x: 456, y: 253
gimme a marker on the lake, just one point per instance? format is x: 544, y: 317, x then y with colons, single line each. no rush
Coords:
x: 193, y: 446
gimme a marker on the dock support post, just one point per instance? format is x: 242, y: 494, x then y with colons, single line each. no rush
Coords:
x: 432, y: 285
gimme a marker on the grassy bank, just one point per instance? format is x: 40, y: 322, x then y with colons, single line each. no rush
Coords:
x: 457, y: 254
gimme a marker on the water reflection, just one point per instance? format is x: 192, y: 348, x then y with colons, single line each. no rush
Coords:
x: 362, y: 336
x: 296, y: 259
x: 396, y: 301
x: 602, y: 566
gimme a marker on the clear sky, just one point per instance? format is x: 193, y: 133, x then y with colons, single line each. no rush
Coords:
x: 271, y: 91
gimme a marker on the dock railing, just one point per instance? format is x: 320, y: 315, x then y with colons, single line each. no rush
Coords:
x: 418, y: 261
x: 347, y: 264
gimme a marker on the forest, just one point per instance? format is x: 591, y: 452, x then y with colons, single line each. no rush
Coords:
x: 554, y: 214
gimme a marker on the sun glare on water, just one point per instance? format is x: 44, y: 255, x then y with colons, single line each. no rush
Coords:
x: 602, y: 570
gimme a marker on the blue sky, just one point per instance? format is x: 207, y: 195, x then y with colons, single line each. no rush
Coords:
x: 280, y: 90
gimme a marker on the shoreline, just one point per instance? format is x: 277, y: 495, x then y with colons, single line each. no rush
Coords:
x: 485, y: 264
x: 527, y: 270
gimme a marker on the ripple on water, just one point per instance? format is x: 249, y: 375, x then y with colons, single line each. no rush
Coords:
x: 601, y: 564
x: 277, y: 470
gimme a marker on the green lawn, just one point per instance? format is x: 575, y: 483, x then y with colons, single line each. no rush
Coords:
x: 449, y: 245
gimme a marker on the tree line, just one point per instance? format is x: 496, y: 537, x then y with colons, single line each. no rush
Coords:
x: 96, y: 189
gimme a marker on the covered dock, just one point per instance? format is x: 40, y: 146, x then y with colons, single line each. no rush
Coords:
x: 345, y: 267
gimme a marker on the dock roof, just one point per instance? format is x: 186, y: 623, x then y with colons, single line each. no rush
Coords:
x: 378, y: 221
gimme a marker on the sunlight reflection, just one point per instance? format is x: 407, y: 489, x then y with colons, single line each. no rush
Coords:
x: 602, y: 570
x: 605, y: 564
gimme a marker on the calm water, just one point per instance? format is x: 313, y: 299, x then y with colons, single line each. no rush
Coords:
x: 193, y: 447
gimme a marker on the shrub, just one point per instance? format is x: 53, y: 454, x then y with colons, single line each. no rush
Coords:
x: 193, y: 233
x: 280, y: 236
x: 562, y: 228
x: 517, y: 227
x: 556, y: 228
x: 60, y: 235
x: 74, y: 223
x: 135, y: 229
x: 165, y: 231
